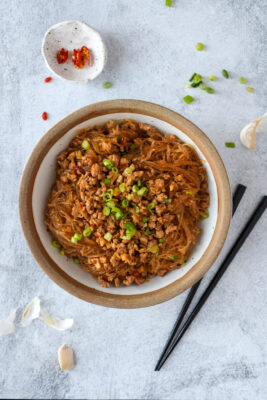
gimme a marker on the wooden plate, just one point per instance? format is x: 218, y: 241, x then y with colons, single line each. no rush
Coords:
x: 39, y: 175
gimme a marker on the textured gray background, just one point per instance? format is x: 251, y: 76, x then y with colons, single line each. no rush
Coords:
x: 151, y: 56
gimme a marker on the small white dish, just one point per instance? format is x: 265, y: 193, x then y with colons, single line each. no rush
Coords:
x: 73, y: 35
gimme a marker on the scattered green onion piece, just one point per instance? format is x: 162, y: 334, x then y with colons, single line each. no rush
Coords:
x: 230, y: 144
x: 110, y: 191
x: 114, y: 210
x: 148, y: 233
x: 107, y: 196
x: 128, y: 171
x: 200, y: 46
x: 129, y: 226
x: 106, y: 211
x: 168, y: 201
x: 114, y: 170
x: 136, y: 208
x: 194, y: 84
x: 225, y: 73
x: 161, y: 240
x: 124, y: 203
x: 77, y: 236
x: 150, y: 207
x: 192, y: 77
x: 73, y: 240
x: 110, y: 204
x: 168, y: 3
x: 188, y: 192
x: 206, y: 215
x: 174, y: 258
x: 122, y: 187
x: 132, y: 146
x: 76, y: 260
x: 106, y: 181
x: 144, y: 220
x: 197, y: 78
x: 108, y: 236
x: 209, y: 90
x: 119, y: 215
x: 85, y: 144
x: 188, y: 99
x: 129, y: 196
x: 250, y: 89
x: 212, y: 78
x: 135, y: 188
x: 142, y: 191
x: 154, y: 249
x: 202, y: 86
x: 119, y: 139
x: 139, y: 183
x: 55, y: 244
x: 187, y: 86
x: 242, y: 80
x: 87, y: 232
x: 108, y: 163
x: 62, y: 252
x: 107, y: 85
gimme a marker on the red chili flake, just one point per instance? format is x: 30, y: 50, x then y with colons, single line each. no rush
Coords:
x: 86, y: 54
x: 62, y: 56
x: 44, y: 116
x: 48, y: 79
x: 122, y: 140
x: 94, y: 261
x: 81, y: 206
x: 77, y: 59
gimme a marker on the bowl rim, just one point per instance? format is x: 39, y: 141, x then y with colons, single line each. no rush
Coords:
x: 84, y: 292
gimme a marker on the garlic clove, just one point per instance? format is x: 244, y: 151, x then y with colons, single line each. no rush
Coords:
x: 65, y: 357
x: 247, y: 135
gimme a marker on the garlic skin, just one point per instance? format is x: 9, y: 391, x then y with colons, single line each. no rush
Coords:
x: 65, y: 357
x: 248, y: 133
x: 56, y: 323
x: 31, y: 312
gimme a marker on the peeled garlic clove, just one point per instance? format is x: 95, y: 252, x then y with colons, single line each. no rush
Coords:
x: 31, y: 312
x: 7, y: 325
x: 57, y: 323
x: 65, y: 357
x: 247, y: 135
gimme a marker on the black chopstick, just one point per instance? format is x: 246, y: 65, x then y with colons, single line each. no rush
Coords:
x: 227, y: 261
x: 239, y: 192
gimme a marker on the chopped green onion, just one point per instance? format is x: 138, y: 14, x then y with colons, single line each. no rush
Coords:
x: 119, y: 215
x: 110, y: 204
x: 55, y: 244
x: 142, y: 191
x: 174, y: 258
x: 122, y: 187
x: 114, y: 210
x: 187, y: 86
x: 115, y: 170
x: 73, y: 240
x: 136, y: 208
x: 107, y: 196
x: 194, y: 85
x: 108, y: 163
x: 168, y: 3
x: 119, y: 139
x: 129, y: 196
x: 225, y: 73
x: 107, y: 85
x: 132, y: 146
x: 230, y: 144
x: 128, y: 171
x: 108, y: 236
x: 197, y: 78
x: 200, y: 46
x: 124, y: 203
x: 139, y: 183
x: 106, y: 181
x: 87, y: 232
x: 202, y: 86
x: 206, y: 215
x: 76, y: 260
x: 188, y: 99
x: 144, y: 220
x: 148, y: 233
x: 168, y: 201
x: 242, y: 80
x: 161, y: 240
x: 192, y: 77
x: 154, y: 249
x: 135, y: 188
x: 188, y: 192
x: 209, y: 90
x: 111, y: 191
x: 129, y: 226
x: 62, y: 252
x: 212, y: 78
x: 249, y: 89
x: 106, y: 211
x: 150, y: 207
x: 85, y: 144
x: 77, y: 236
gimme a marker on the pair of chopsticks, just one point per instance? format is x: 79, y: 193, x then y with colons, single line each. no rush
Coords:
x: 176, y: 334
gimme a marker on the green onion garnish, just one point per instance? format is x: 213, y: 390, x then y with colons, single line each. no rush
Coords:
x: 194, y: 85
x: 148, y: 233
x: 122, y: 187
x: 129, y: 196
x: 119, y: 215
x: 139, y: 183
x: 206, y: 215
x: 168, y: 201
x: 168, y: 3
x: 76, y: 237
x: 187, y: 86
x: 200, y: 46
x: 107, y: 85
x: 128, y: 171
x: 115, y: 209
x: 197, y: 78
x: 108, y: 236
x: 55, y: 244
x: 154, y: 249
x: 192, y: 77
x: 249, y: 89
x: 174, y: 258
x: 161, y: 240
x: 202, y: 86
x: 150, y: 207
x: 142, y: 191
x: 110, y: 204
x: 76, y: 260
x: 124, y: 203
x: 106, y: 181
x: 188, y: 99
x: 114, y: 170
x: 230, y: 144
x: 225, y: 73
x: 212, y: 78
x: 87, y: 232
x: 85, y: 144
x: 107, y: 196
x: 242, y: 80
x: 135, y: 189
x: 106, y: 211
x: 209, y: 90
x: 130, y: 231
x: 108, y: 163
x: 136, y: 208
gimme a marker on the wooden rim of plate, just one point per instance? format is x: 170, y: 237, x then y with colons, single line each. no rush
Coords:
x: 96, y: 296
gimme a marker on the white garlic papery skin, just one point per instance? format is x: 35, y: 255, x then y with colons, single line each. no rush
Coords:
x: 248, y: 133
